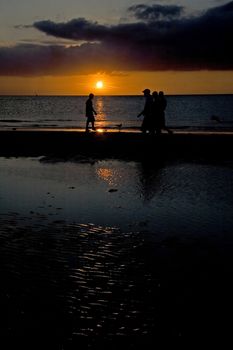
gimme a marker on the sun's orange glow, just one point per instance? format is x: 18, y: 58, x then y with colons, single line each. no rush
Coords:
x: 100, y: 130
x: 132, y: 83
x: 99, y: 84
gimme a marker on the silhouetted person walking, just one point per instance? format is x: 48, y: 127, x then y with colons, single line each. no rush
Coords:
x: 147, y: 111
x: 90, y: 112
x: 162, y: 104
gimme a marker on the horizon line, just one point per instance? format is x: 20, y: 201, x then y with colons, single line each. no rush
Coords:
x: 113, y: 95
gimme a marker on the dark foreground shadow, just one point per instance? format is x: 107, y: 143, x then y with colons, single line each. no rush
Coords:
x: 118, y: 145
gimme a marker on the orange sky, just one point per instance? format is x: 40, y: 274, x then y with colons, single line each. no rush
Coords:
x: 126, y: 83
x: 54, y: 51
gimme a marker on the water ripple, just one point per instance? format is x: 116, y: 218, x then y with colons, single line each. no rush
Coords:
x: 84, y: 276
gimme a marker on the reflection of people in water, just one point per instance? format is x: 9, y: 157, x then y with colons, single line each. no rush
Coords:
x: 146, y: 112
x: 90, y: 112
x: 162, y: 104
x: 150, y: 177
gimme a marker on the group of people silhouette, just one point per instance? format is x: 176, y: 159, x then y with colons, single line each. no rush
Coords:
x: 153, y: 112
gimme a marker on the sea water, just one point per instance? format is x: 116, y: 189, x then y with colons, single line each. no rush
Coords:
x: 183, y: 111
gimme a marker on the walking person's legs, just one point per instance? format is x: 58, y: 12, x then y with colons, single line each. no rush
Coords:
x: 87, y: 123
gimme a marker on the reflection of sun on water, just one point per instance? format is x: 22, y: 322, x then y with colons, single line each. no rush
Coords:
x: 107, y: 175
x: 99, y: 105
x: 101, y: 115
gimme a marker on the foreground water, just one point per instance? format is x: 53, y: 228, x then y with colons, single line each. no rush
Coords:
x: 164, y: 197
x: 188, y: 111
x: 113, y: 253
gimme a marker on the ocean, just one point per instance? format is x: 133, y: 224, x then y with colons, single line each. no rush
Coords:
x: 183, y: 111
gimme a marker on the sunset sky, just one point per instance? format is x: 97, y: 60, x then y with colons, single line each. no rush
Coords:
x: 65, y: 46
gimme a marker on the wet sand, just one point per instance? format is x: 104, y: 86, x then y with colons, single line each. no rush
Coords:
x: 100, y: 253
x: 86, y: 286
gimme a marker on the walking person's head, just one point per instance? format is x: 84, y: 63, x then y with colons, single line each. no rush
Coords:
x: 146, y: 92
x: 161, y: 93
x: 155, y: 94
x: 91, y: 96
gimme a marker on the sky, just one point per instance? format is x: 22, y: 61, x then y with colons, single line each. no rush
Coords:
x: 64, y: 47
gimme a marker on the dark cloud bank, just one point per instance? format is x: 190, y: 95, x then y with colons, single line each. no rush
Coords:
x: 160, y: 37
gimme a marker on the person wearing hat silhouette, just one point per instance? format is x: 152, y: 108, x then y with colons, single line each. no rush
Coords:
x: 147, y: 111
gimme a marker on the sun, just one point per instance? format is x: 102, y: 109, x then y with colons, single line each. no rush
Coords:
x: 99, y: 84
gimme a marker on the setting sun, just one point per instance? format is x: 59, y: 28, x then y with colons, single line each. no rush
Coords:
x: 99, y: 84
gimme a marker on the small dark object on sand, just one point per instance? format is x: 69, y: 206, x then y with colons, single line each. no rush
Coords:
x: 113, y: 190
x: 215, y: 117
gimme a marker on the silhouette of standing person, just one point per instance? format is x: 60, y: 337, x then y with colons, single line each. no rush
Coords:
x: 155, y: 127
x: 90, y: 112
x: 147, y: 111
x: 162, y: 104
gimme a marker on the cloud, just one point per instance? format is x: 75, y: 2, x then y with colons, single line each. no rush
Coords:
x: 156, y: 11
x: 29, y: 59
x: 39, y: 60
x: 78, y: 29
x: 160, y: 38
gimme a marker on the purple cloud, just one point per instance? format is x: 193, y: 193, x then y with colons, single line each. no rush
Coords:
x: 161, y: 38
